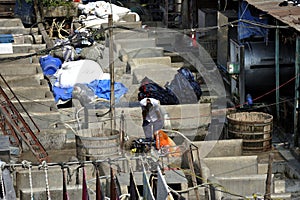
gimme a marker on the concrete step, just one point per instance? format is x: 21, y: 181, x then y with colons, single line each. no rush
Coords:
x: 20, y: 69
x: 11, y: 22
x: 137, y: 43
x: 29, y: 39
x: 36, y: 105
x: 44, y: 120
x: 24, y: 80
x: 18, y: 58
x: 145, y: 52
x: 30, y: 92
x: 56, y: 193
x: 131, y: 25
x: 18, y: 30
x: 160, y: 74
x: 25, y: 48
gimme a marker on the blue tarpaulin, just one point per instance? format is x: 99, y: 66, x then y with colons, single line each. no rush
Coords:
x: 101, y: 88
x: 6, y: 38
x: 247, y: 30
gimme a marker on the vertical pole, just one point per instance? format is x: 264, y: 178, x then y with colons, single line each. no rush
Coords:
x: 191, y: 164
x: 277, y: 73
x: 112, y: 75
x: 167, y: 13
x: 242, y: 75
x: 296, y: 103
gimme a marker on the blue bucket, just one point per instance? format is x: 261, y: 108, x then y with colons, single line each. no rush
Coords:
x: 50, y: 64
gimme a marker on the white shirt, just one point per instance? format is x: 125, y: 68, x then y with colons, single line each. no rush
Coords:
x: 151, y: 115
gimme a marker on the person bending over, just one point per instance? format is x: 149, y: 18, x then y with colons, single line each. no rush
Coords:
x: 152, y: 117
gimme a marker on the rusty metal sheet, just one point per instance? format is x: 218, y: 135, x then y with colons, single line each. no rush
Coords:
x: 287, y: 14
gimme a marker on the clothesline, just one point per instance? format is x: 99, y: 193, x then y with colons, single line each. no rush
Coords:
x: 45, y: 164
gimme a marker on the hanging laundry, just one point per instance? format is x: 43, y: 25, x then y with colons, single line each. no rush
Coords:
x: 85, y: 194
x: 65, y: 192
x: 162, y: 187
x: 99, y: 193
x: 113, y: 187
x: 7, y: 187
x: 185, y: 87
x: 10, y: 193
x: 147, y: 190
x: 133, y: 191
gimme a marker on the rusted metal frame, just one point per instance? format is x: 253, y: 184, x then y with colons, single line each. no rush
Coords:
x: 10, y: 104
x: 32, y: 141
x: 16, y: 121
x: 6, y: 130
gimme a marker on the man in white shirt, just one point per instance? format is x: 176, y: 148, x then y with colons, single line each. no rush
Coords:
x: 152, y: 117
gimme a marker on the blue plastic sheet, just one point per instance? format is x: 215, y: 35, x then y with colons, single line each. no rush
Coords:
x: 101, y: 88
x: 6, y: 38
x: 247, y: 30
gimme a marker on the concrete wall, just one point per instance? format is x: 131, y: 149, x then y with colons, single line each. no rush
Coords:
x: 185, y: 116
x: 220, y: 148
x: 232, y: 166
x: 239, y: 185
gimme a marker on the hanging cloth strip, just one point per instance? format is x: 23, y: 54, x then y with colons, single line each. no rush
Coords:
x: 133, y: 190
x: 8, y: 184
x: 99, y: 193
x: 65, y: 192
x: 45, y: 166
x: 27, y: 165
x: 85, y: 194
x: 2, y: 184
x: 162, y: 187
x: 147, y: 190
x: 7, y: 187
x: 113, y: 187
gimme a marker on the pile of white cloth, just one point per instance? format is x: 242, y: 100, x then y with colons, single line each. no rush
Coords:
x: 96, y: 13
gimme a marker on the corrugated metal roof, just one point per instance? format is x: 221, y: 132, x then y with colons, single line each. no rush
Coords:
x: 289, y: 14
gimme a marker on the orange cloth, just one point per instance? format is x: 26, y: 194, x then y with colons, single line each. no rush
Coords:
x: 163, y: 140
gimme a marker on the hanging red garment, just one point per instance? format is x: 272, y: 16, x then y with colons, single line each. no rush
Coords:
x: 113, y: 187
x: 99, y: 194
x: 65, y: 192
x: 85, y: 194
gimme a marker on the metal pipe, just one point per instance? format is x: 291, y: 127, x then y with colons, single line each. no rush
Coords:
x: 242, y: 75
x: 112, y: 74
x: 296, y: 103
x: 277, y: 72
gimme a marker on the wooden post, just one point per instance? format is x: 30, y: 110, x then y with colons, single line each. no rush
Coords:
x: 112, y: 74
x: 46, y: 38
x: 267, y: 195
x: 193, y: 175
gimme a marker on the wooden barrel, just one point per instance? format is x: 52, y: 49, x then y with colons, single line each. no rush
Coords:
x: 255, y: 128
x: 94, y: 144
